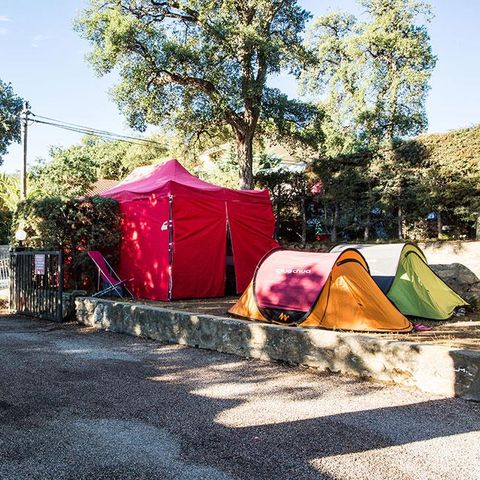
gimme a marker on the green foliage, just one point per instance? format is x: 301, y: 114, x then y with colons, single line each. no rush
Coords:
x: 10, y: 108
x: 74, y: 226
x: 290, y: 193
x: 9, y: 191
x: 344, y: 205
x: 222, y: 166
x: 195, y: 65
x: 373, y: 74
x: 337, y: 77
x: 292, y: 122
x: 5, y: 226
x: 412, y: 190
x: 451, y: 175
x: 402, y: 61
x: 9, y: 198
x: 114, y: 160
x: 69, y: 173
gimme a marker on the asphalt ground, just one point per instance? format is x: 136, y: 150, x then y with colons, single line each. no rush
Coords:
x: 78, y: 404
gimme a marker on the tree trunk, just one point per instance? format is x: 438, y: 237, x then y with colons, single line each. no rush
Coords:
x: 366, y: 230
x: 245, y: 159
x: 368, y: 220
x: 333, y: 235
x: 304, y: 220
x: 477, y: 232
x: 439, y: 225
x: 400, y: 223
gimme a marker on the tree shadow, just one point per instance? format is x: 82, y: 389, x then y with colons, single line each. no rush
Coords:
x: 246, y: 419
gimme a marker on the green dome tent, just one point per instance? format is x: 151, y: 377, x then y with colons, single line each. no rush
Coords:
x: 401, y: 271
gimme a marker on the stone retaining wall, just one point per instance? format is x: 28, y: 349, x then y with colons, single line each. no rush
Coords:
x: 431, y: 368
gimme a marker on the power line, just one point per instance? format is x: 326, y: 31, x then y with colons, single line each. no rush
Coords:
x: 50, y: 121
x: 73, y: 127
x: 96, y: 134
x: 104, y: 134
x: 96, y: 130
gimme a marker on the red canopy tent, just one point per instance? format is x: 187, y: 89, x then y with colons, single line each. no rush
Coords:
x: 174, y: 232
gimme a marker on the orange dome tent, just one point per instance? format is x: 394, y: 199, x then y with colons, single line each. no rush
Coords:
x: 327, y: 290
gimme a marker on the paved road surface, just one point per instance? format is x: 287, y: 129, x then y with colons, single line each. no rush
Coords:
x: 78, y: 404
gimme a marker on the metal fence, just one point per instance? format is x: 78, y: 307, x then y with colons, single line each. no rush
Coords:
x: 36, y: 284
x: 4, y: 269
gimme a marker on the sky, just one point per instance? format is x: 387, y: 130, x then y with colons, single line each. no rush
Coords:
x: 44, y: 59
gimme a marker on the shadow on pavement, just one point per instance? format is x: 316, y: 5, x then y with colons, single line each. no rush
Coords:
x: 110, y: 406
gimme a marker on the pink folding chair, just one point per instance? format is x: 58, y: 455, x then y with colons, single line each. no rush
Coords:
x: 108, y: 275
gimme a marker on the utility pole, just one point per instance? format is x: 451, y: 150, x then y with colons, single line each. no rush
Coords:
x: 23, y: 175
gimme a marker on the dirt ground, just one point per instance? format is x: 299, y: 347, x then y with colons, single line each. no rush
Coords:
x: 460, y: 331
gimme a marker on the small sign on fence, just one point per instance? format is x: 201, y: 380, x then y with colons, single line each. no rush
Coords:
x: 39, y: 264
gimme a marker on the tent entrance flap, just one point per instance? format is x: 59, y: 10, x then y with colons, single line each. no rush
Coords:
x: 144, y: 247
x: 199, y: 233
x: 230, y: 281
x: 251, y: 228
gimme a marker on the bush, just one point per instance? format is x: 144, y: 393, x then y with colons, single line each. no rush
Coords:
x: 73, y: 226
x: 291, y: 196
x: 5, y: 226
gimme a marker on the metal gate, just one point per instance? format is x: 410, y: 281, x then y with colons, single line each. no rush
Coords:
x: 36, y: 284
x: 4, y: 270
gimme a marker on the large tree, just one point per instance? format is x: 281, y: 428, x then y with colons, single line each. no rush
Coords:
x: 337, y: 78
x: 373, y: 73
x: 10, y: 108
x: 195, y: 64
x: 397, y: 45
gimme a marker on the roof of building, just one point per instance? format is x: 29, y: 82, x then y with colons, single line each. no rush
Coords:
x: 100, y: 186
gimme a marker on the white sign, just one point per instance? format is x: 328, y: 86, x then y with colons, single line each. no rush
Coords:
x: 39, y: 264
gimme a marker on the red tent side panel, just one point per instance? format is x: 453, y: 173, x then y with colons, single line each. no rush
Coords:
x: 144, y: 247
x: 199, y: 232
x: 252, y: 225
x: 290, y: 280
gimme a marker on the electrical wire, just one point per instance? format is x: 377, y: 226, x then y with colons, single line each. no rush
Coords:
x: 104, y: 134
x: 96, y: 130
x: 73, y: 127
x: 96, y: 134
x: 83, y: 127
